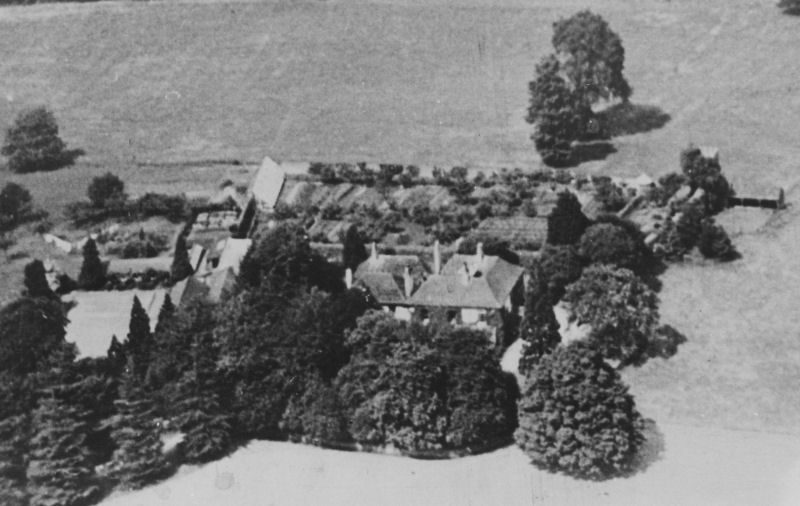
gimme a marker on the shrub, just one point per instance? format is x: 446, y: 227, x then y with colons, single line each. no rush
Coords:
x: 791, y: 7
x: 173, y: 207
x: 32, y: 143
x: 714, y: 242
x: 106, y: 188
x: 566, y: 222
x: 605, y: 243
x: 706, y: 173
x: 561, y: 265
x: 577, y: 417
x: 93, y: 272
x: 16, y: 206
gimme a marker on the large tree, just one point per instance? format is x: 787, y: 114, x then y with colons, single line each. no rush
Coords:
x: 558, y: 111
x: 36, y: 284
x: 105, y: 188
x: 577, y: 417
x: 140, y: 344
x: 561, y: 265
x: 181, y: 265
x: 32, y: 143
x: 606, y: 243
x: 566, y: 222
x: 593, y: 54
x: 621, y: 310
x: 705, y: 173
x: 93, y: 272
x: 353, y: 250
x: 539, y: 327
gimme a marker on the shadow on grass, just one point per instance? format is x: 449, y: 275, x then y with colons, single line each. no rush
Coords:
x: 591, y: 151
x: 650, y: 451
x: 627, y: 118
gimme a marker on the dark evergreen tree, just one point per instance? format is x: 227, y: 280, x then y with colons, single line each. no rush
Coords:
x: 140, y: 343
x: 165, y: 314
x: 714, y: 242
x: 539, y: 327
x: 116, y: 355
x: 561, y: 265
x: 17, y: 400
x: 36, y: 284
x: 201, y: 417
x: 33, y: 144
x: 606, y: 243
x: 105, y: 188
x: 59, y: 470
x: 566, y: 222
x: 577, y: 417
x: 353, y: 250
x: 93, y: 272
x: 706, y: 173
x: 181, y: 266
x: 138, y: 459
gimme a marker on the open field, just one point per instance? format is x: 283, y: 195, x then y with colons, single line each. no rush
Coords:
x: 700, y: 467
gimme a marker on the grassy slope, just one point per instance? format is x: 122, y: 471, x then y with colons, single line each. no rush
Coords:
x: 429, y: 83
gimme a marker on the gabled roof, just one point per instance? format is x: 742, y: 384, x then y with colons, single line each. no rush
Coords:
x: 391, y: 264
x: 486, y: 283
x: 515, y: 229
x: 267, y: 184
x: 382, y: 276
x: 383, y: 286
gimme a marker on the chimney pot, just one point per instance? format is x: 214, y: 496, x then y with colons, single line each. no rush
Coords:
x: 408, y: 282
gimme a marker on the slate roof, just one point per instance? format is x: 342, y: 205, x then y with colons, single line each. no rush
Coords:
x: 384, y: 287
x: 490, y: 282
x: 382, y: 276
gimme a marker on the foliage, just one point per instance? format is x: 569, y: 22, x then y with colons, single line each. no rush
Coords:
x: 36, y: 284
x: 669, y: 244
x: 424, y: 387
x: 558, y: 111
x: 690, y: 226
x: 105, y: 189
x: 374, y: 223
x: 714, y: 242
x: 561, y: 265
x: 670, y: 184
x: 609, y: 194
x: 140, y: 344
x: 16, y: 403
x: 147, y: 280
x: 353, y: 250
x: 577, y: 417
x: 93, y: 272
x: 181, y: 266
x: 165, y: 314
x: 791, y: 7
x: 32, y: 143
x: 16, y: 206
x: 594, y: 56
x: 705, y: 173
x: 621, y: 309
x: 566, y: 222
x: 539, y: 328
x: 316, y: 414
x: 607, y: 243
x: 59, y: 470
x: 138, y: 459
x: 32, y: 335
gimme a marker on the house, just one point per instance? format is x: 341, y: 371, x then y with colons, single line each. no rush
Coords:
x: 475, y: 290
x: 390, y: 279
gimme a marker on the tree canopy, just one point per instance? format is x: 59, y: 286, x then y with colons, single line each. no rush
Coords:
x: 606, y: 243
x: 93, y: 272
x: 32, y: 143
x: 16, y: 206
x: 105, y: 188
x: 566, y: 222
x: 577, y: 417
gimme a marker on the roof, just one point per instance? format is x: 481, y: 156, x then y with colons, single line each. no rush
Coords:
x: 187, y: 290
x: 233, y: 252
x: 394, y: 265
x: 516, y: 229
x: 133, y: 265
x: 383, y: 286
x: 489, y: 283
x: 267, y: 183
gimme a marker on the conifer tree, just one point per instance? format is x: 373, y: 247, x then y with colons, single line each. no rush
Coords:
x: 93, y: 275
x: 566, y: 222
x: 139, y: 345
x: 138, y: 459
x: 165, y: 313
x: 59, y: 471
x: 539, y: 327
x: 116, y: 355
x: 36, y: 284
x: 181, y: 266
x: 353, y: 250
x: 206, y: 427
x: 14, y: 436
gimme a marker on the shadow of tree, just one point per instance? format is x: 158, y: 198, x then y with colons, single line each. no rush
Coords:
x: 590, y: 151
x: 627, y: 118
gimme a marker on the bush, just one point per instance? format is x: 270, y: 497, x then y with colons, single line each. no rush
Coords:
x: 566, y: 222
x: 706, y: 173
x: 605, y: 243
x: 106, y: 188
x: 577, y: 417
x: 714, y: 242
x: 174, y: 207
x: 32, y: 143
x: 16, y: 206
x: 791, y: 7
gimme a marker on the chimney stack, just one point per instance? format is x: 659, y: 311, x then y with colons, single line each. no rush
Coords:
x: 437, y: 258
x: 408, y: 282
x: 348, y: 278
x: 374, y: 254
x: 479, y: 251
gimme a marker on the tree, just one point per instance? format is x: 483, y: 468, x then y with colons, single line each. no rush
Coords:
x: 353, y: 250
x: 714, y: 242
x: 93, y: 272
x: 17, y: 401
x: 705, y: 173
x: 140, y: 343
x: 181, y: 265
x: 621, y: 310
x: 558, y: 112
x: 606, y: 243
x: 16, y: 205
x: 32, y: 143
x: 593, y: 54
x: 59, y: 470
x: 690, y: 226
x: 791, y: 7
x: 539, y: 327
x: 560, y: 265
x: 116, y: 356
x: 165, y: 314
x: 105, y: 188
x: 138, y: 459
x: 36, y: 284
x: 577, y: 417
x: 566, y: 222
